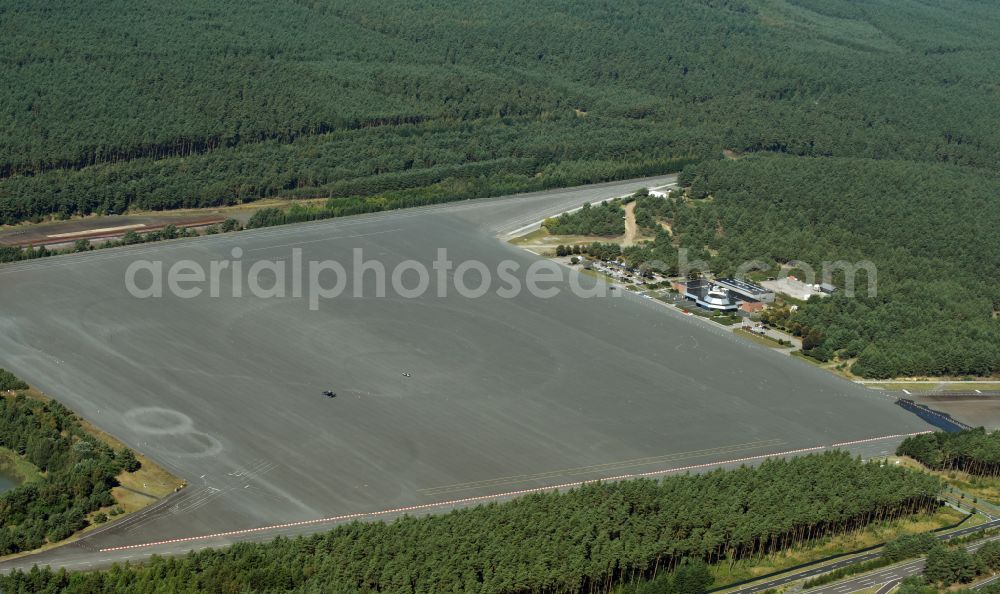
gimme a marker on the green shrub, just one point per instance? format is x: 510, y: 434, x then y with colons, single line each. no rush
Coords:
x: 8, y: 381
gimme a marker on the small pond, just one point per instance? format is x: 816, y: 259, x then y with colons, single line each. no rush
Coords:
x: 7, y: 482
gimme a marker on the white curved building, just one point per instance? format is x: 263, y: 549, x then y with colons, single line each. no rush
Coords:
x: 717, y: 298
x: 710, y: 296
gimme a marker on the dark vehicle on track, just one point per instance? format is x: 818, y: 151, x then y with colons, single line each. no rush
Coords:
x: 329, y: 394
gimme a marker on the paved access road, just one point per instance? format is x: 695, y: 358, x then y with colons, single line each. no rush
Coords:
x: 896, y: 573
x: 503, y: 393
x: 893, y: 574
x: 986, y: 582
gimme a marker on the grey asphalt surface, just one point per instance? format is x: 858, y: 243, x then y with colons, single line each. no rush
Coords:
x: 986, y: 582
x: 504, y: 394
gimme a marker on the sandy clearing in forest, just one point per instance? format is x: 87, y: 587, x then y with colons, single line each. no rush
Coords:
x: 631, y: 229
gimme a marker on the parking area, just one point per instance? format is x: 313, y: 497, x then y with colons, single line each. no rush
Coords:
x: 793, y: 287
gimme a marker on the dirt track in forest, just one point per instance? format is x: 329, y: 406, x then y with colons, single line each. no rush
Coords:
x: 631, y: 229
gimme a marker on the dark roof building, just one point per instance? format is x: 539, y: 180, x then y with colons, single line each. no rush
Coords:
x: 746, y: 291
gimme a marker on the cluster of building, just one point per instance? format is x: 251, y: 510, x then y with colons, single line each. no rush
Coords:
x: 626, y: 274
x: 722, y: 294
x: 725, y: 294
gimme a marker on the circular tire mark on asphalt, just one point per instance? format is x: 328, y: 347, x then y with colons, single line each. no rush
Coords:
x: 175, y: 430
x: 154, y: 420
x: 193, y: 445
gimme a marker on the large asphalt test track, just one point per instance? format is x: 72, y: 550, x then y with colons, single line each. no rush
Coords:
x: 504, y: 394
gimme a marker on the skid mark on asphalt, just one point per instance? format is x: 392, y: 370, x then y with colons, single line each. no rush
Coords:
x: 143, y: 516
x: 261, y: 492
x: 256, y: 470
x: 494, y: 497
x: 215, y: 374
x: 200, y: 498
x: 331, y: 238
x: 197, y: 497
x: 620, y: 465
x: 192, y: 498
x: 239, y: 479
